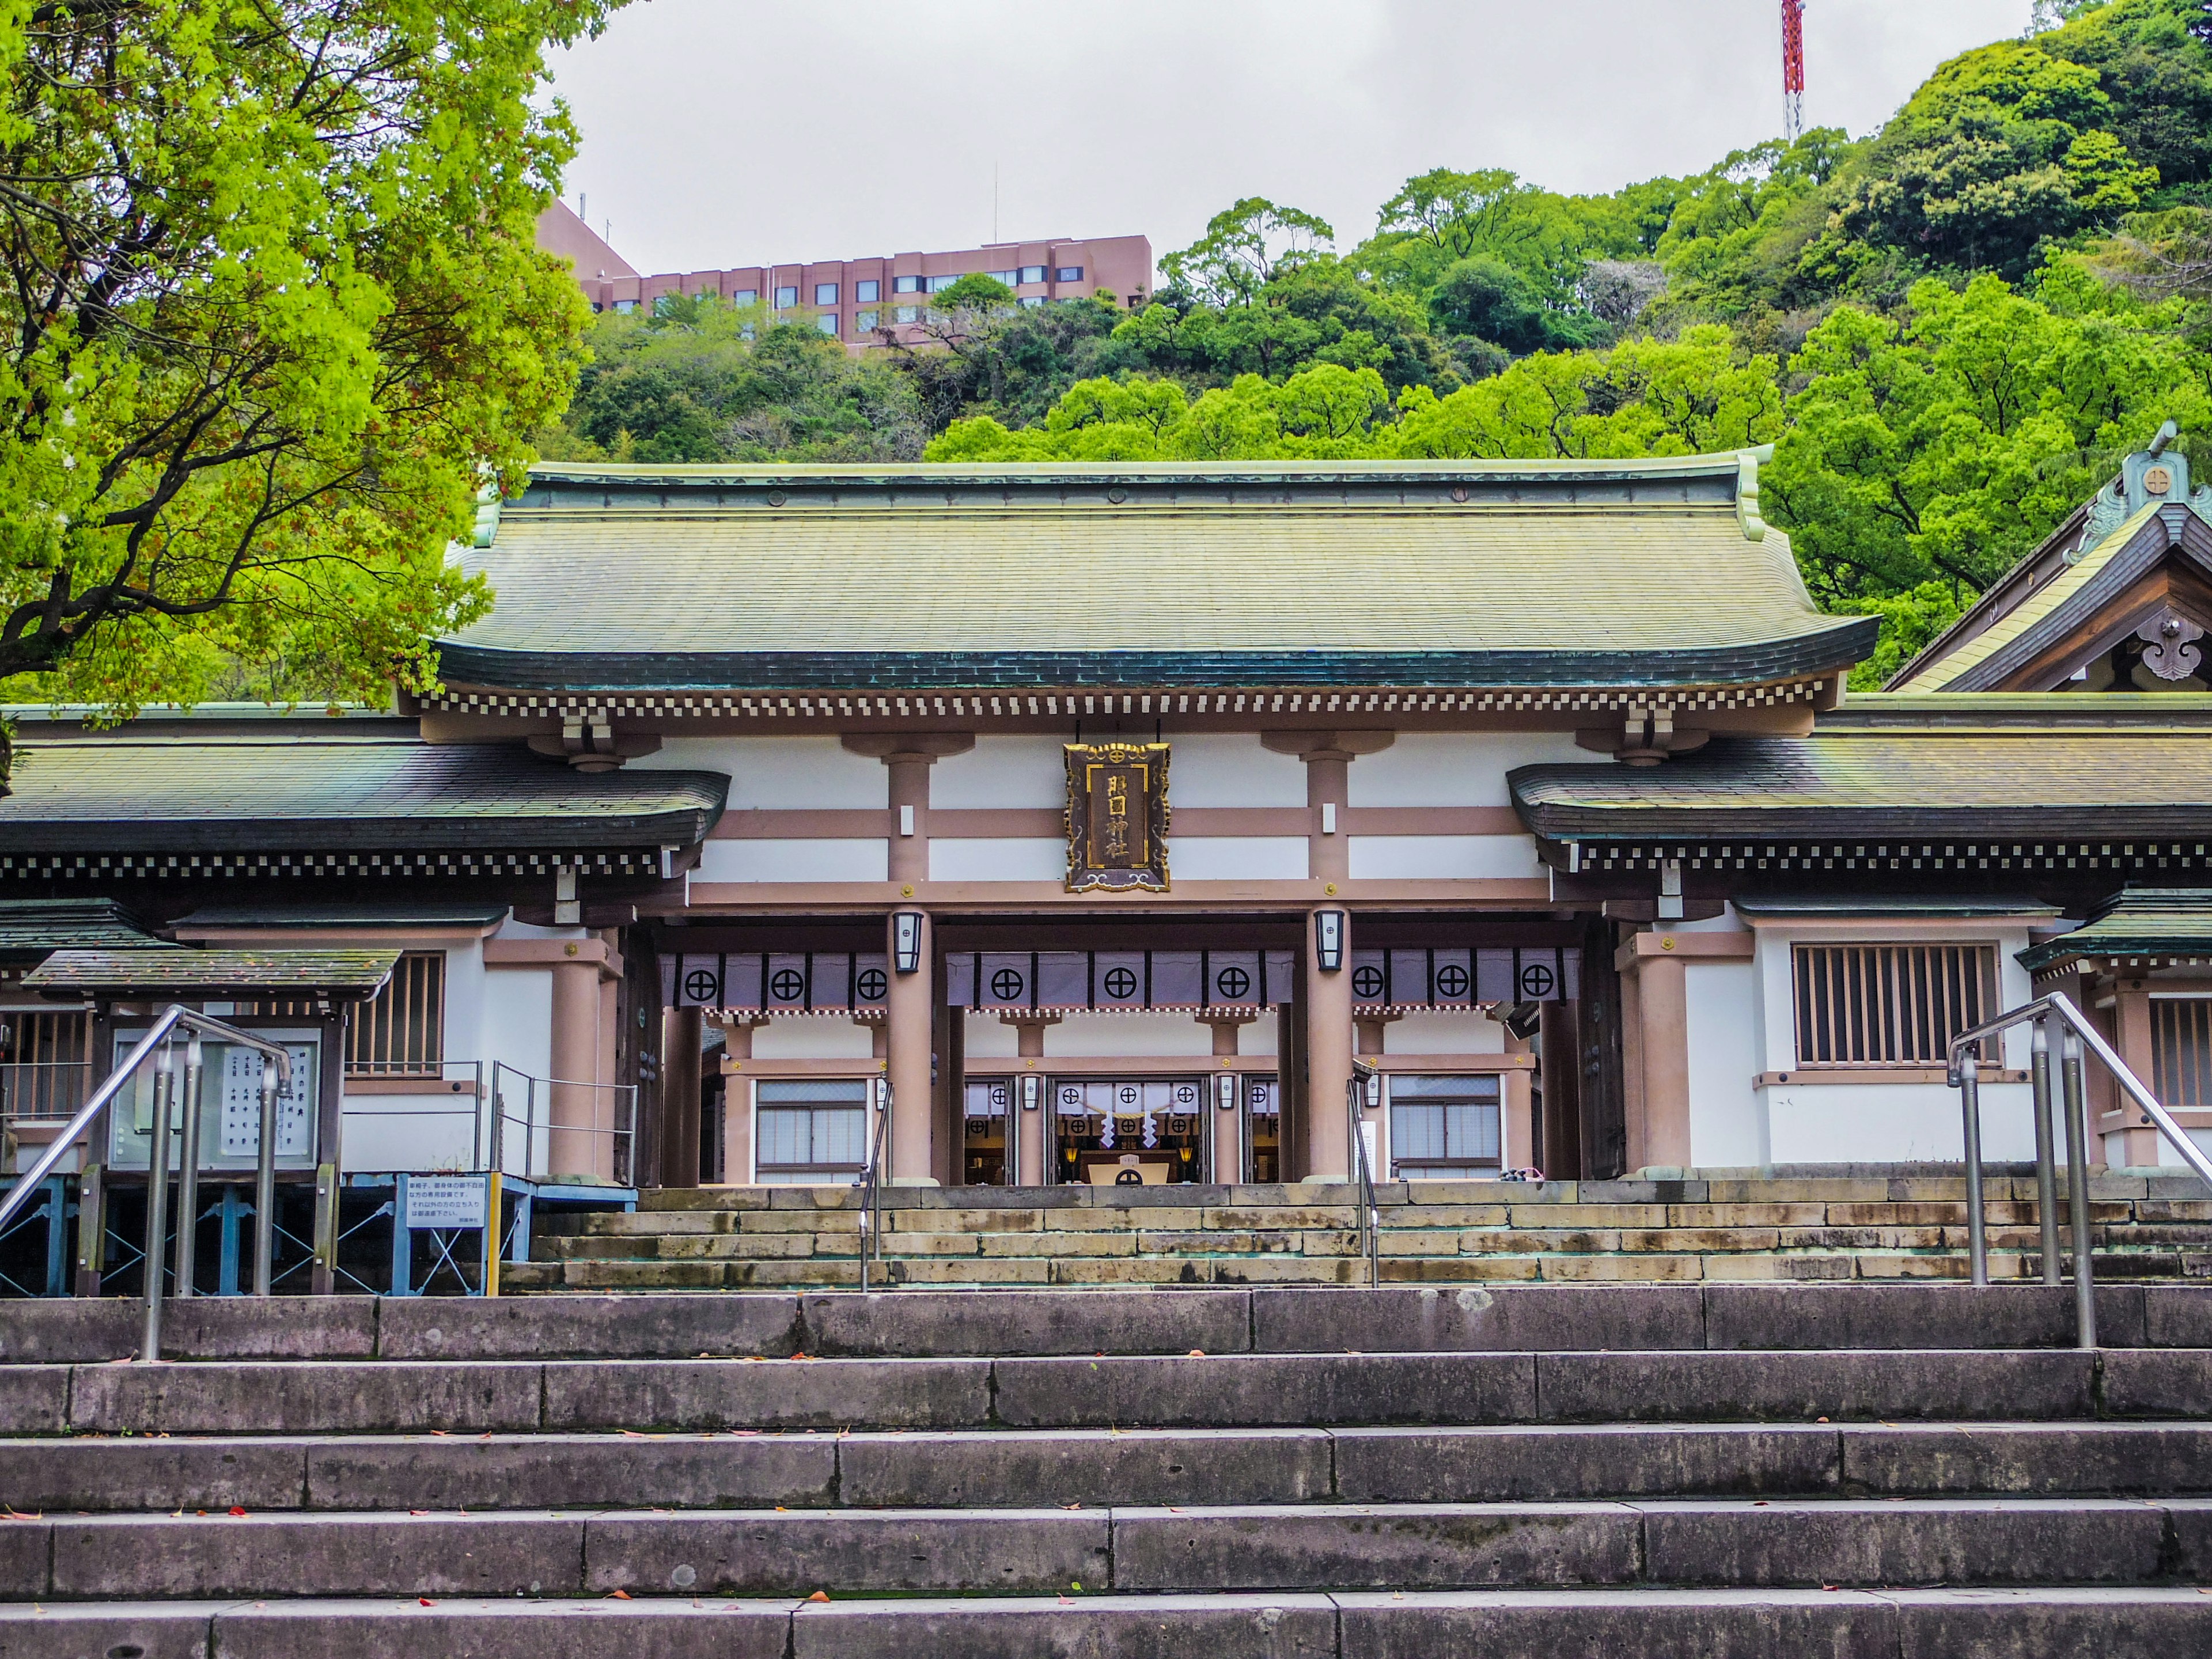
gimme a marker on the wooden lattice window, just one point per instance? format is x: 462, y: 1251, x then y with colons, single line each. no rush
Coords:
x: 45, y: 1062
x: 1891, y: 1005
x: 2181, y: 1050
x: 401, y: 1031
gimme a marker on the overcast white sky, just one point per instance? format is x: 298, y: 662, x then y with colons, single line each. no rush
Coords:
x: 729, y: 132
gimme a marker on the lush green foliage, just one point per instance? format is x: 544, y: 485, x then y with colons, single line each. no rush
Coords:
x: 1950, y: 330
x: 273, y: 316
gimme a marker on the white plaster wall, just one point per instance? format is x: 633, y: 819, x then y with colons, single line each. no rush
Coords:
x: 1443, y: 1032
x: 1728, y: 1121
x: 1261, y: 1037
x: 1236, y: 858
x: 1442, y: 858
x: 518, y: 1028
x: 432, y: 1131
x: 2167, y: 1157
x: 1454, y: 769
x: 989, y: 1037
x: 998, y: 859
x: 813, y: 1036
x: 779, y: 772
x: 1892, y: 1122
x: 794, y: 860
x: 1023, y: 771
x: 1233, y: 768
x: 1777, y: 985
x: 1134, y: 1034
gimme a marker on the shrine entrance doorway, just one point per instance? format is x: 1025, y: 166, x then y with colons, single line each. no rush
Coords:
x: 1129, y: 1132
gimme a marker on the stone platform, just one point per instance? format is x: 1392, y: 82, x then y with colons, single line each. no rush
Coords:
x: 1709, y: 1225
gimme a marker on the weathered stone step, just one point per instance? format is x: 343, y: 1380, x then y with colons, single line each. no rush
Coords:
x: 2026, y: 1623
x: 1110, y: 1391
x: 1007, y: 1468
x: 984, y: 1322
x: 1777, y: 1543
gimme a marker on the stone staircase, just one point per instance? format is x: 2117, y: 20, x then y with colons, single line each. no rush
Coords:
x: 1716, y: 1225
x: 1685, y: 1472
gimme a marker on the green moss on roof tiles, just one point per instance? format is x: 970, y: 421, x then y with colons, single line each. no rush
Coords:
x: 156, y: 790
x: 2143, y: 924
x: 32, y: 928
x: 2112, y: 780
x: 999, y: 576
x: 350, y: 974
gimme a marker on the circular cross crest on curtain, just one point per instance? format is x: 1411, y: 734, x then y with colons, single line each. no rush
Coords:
x: 1120, y: 982
x: 1452, y: 981
x: 1538, y: 981
x: 1367, y: 983
x: 1005, y: 985
x: 1232, y: 982
x: 871, y: 984
x: 787, y: 984
x: 699, y: 985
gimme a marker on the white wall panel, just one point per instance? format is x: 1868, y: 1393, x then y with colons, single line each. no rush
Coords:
x: 1137, y: 1035
x: 1892, y: 1122
x: 799, y: 772
x: 1021, y: 771
x: 1443, y: 1032
x: 1454, y: 769
x: 1236, y: 858
x: 794, y: 860
x: 990, y: 1037
x: 813, y: 1036
x: 1728, y: 1125
x: 1010, y: 859
x: 1442, y: 858
x: 1232, y: 768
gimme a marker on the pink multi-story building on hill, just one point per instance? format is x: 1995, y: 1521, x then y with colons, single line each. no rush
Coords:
x: 863, y: 302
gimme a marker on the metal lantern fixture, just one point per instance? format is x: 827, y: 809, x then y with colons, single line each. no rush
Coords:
x: 906, y: 941
x: 1329, y: 940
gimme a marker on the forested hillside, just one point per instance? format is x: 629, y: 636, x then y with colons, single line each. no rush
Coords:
x: 1950, y: 328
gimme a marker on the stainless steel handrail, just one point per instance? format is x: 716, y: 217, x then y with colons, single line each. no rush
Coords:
x: 1356, y: 1089
x: 622, y: 1152
x: 157, y: 1043
x: 2077, y: 1036
x: 872, y: 1183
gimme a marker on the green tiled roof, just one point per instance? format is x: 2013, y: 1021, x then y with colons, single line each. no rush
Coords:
x: 1625, y: 573
x: 2143, y: 924
x: 2034, y: 777
x: 167, y: 789
x: 31, y: 928
x: 349, y: 975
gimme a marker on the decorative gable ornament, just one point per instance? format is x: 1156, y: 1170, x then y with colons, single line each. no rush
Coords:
x: 1117, y: 817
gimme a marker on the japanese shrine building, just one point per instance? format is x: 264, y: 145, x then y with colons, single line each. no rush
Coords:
x: 1112, y: 817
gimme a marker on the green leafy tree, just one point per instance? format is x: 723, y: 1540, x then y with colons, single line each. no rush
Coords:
x: 2153, y: 60
x: 699, y: 380
x: 1489, y: 299
x: 1943, y: 443
x: 1246, y: 245
x: 273, y: 316
x: 2001, y: 150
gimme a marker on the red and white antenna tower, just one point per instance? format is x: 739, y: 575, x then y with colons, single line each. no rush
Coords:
x: 1793, y: 67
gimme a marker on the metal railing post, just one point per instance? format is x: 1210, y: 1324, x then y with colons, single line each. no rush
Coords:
x: 2046, y: 1155
x: 157, y: 1204
x: 1970, y: 1105
x: 498, y: 1121
x: 265, y: 1188
x: 2072, y: 1095
x: 188, y: 1175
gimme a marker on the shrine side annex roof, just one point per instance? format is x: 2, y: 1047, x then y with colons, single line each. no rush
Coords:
x: 1609, y: 573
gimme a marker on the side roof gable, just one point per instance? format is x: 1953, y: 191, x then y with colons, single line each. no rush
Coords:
x: 2153, y: 570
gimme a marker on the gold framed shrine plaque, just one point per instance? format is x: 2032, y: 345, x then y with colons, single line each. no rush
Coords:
x: 1117, y: 817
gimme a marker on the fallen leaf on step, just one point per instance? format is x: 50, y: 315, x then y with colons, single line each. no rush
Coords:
x: 620, y: 1595
x: 1198, y: 1354
x: 440, y: 1433
x: 819, y: 1595
x: 418, y: 1511
x: 424, y: 1602
x: 236, y: 1509
x: 1065, y: 1602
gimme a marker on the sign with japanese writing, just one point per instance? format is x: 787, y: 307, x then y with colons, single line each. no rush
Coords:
x: 445, y: 1201
x: 1117, y: 816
